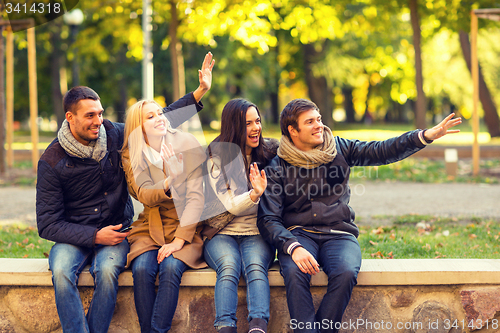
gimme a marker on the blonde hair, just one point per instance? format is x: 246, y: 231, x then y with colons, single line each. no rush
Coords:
x: 134, y: 140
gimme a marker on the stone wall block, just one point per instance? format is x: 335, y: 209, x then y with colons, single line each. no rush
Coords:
x: 124, y: 318
x: 34, y: 308
x: 367, y: 311
x: 480, y: 305
x: 433, y: 317
x: 6, y: 325
x: 402, y: 298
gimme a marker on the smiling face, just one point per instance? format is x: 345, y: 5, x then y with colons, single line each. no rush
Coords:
x: 254, y: 128
x: 86, y: 121
x: 153, y: 121
x: 310, y: 130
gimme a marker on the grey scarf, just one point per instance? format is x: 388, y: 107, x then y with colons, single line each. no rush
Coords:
x: 96, y: 149
x: 322, y: 154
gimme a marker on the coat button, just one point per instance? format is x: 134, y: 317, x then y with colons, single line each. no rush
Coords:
x: 95, y: 210
x: 314, y: 215
x: 105, y: 193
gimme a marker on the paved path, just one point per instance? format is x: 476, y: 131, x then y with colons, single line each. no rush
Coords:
x: 17, y: 204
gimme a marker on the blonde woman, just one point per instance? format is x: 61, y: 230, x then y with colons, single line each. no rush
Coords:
x: 163, y: 170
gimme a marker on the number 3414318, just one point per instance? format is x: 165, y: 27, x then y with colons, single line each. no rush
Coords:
x: 33, y: 8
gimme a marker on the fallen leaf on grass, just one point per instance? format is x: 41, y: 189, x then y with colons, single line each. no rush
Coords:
x: 427, y: 247
x: 378, y: 231
x: 373, y: 243
x: 472, y: 236
x: 392, y: 236
x: 45, y: 254
x: 30, y: 246
x: 439, y: 245
x: 25, y: 256
x: 26, y: 240
x: 475, y: 247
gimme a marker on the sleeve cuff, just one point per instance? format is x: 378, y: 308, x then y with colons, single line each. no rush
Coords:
x: 292, y: 247
x: 199, y: 105
x: 423, y: 139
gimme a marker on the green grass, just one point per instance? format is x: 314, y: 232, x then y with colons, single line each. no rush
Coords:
x: 22, y: 242
x: 403, y: 237
x: 420, y: 236
x: 428, y: 171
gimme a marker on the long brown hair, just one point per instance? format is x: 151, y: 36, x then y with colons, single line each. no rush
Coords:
x: 233, y: 130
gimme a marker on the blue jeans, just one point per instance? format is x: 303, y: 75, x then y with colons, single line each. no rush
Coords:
x: 231, y: 256
x: 156, y: 310
x: 340, y: 257
x: 66, y: 262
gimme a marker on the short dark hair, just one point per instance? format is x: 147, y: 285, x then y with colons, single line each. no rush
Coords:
x: 76, y: 94
x: 291, y: 113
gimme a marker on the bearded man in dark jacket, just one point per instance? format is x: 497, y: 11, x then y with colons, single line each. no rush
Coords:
x: 82, y: 202
x: 304, y: 211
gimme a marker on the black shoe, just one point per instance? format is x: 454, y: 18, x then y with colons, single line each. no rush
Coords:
x: 257, y: 325
x: 228, y: 329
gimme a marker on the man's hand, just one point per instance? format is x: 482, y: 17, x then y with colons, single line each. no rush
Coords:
x: 168, y: 249
x: 442, y: 128
x: 205, y: 77
x: 305, y: 261
x: 110, y: 236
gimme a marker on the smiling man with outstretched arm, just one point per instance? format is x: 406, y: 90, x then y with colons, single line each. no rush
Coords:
x: 305, y: 210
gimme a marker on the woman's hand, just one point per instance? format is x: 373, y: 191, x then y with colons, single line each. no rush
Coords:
x: 442, y: 128
x: 173, y: 164
x: 205, y: 77
x: 168, y: 249
x: 258, y: 180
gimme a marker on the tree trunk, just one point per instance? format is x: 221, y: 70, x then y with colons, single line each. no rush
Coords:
x: 421, y: 106
x: 319, y: 92
x: 490, y: 110
x: 348, y: 105
x: 56, y: 63
x: 274, y: 86
x: 176, y: 56
x: 3, y: 155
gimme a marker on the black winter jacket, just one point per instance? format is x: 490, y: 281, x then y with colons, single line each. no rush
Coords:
x: 318, y: 199
x: 75, y: 197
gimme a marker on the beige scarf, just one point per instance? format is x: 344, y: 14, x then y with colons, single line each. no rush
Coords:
x: 322, y: 154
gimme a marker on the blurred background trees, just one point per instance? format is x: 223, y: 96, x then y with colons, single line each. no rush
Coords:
x: 365, y: 61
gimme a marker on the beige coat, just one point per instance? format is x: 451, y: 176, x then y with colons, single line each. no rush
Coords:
x: 164, y: 212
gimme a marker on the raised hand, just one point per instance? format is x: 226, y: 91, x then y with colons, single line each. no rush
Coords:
x: 258, y: 180
x: 173, y: 164
x: 205, y: 74
x: 443, y: 128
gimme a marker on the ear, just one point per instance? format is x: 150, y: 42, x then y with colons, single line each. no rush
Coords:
x: 69, y: 116
x: 293, y: 132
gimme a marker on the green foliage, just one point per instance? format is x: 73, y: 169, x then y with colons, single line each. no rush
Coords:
x: 22, y: 242
x: 432, y: 237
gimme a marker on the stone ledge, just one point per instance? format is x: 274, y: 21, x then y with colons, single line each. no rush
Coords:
x: 374, y: 272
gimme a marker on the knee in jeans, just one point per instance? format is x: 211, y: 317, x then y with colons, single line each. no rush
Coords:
x: 347, y: 275
x: 61, y: 275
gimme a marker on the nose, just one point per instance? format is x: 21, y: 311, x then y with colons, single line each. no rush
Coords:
x: 98, y: 120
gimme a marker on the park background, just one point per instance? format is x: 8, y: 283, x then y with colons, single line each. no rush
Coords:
x: 375, y: 68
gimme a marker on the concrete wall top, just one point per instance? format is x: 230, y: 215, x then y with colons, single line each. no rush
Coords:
x: 374, y: 272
